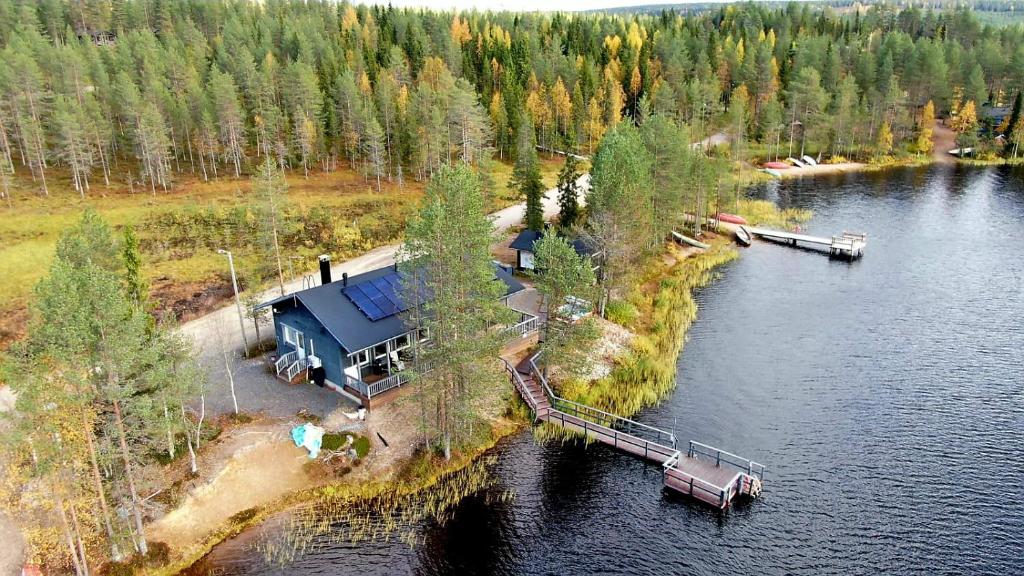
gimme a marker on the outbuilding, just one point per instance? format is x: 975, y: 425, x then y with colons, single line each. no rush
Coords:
x: 523, y: 245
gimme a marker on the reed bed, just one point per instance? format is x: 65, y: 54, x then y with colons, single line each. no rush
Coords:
x: 646, y: 374
x: 381, y: 512
x: 765, y: 213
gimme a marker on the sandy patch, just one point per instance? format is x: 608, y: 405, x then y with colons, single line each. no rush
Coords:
x: 253, y: 465
x: 6, y: 399
x: 840, y: 168
x: 614, y: 341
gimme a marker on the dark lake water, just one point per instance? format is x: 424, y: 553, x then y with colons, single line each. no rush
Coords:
x: 885, y: 395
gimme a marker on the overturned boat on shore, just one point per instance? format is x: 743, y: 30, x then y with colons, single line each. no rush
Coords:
x: 742, y: 236
x: 690, y: 241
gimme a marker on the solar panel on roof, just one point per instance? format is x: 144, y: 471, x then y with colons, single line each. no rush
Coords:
x: 379, y: 297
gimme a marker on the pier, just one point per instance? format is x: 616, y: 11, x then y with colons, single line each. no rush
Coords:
x: 848, y: 244
x: 713, y: 476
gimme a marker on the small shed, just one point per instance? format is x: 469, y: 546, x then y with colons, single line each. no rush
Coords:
x: 523, y: 245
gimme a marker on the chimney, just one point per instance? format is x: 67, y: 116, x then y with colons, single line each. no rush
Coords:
x: 344, y: 278
x: 325, y: 269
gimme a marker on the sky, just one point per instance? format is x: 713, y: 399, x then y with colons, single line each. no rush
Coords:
x: 522, y: 5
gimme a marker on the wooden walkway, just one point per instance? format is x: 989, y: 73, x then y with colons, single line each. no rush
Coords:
x: 848, y: 244
x: 703, y: 472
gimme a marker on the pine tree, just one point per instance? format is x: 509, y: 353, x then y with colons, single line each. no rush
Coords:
x: 447, y: 255
x: 373, y: 151
x: 136, y: 287
x: 568, y: 193
x: 229, y: 118
x: 270, y: 191
x: 73, y: 147
x: 526, y: 178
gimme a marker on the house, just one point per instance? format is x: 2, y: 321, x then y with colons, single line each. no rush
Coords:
x: 995, y: 114
x: 523, y: 245
x: 352, y: 334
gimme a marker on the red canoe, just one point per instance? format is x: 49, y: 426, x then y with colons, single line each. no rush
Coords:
x: 777, y: 165
x: 731, y: 218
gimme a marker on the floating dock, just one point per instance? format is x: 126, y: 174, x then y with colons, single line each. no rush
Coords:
x: 703, y: 472
x: 848, y: 244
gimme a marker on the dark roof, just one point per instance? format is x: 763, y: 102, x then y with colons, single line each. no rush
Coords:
x: 526, y: 239
x: 995, y: 111
x: 348, y: 325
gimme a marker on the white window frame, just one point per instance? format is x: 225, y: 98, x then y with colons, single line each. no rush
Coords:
x: 293, y: 336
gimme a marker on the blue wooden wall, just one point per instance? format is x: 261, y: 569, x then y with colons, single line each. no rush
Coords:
x: 325, y: 346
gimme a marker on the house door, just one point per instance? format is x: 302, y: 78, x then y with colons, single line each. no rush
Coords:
x: 296, y: 339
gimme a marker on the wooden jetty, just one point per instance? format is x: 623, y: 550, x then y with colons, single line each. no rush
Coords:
x: 703, y: 472
x: 848, y: 244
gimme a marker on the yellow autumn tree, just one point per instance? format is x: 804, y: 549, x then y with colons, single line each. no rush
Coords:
x: 883, y: 144
x: 595, y: 124
x: 924, y: 142
x: 561, y: 104
x: 966, y: 119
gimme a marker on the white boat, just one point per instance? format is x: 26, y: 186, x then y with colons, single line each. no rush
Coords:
x: 961, y: 152
x: 687, y: 240
x: 742, y: 236
x: 772, y: 172
x: 796, y: 162
x: 809, y: 161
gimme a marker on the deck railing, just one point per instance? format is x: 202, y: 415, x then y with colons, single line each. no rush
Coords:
x: 600, y: 417
x: 527, y: 324
x: 385, y: 384
x: 517, y: 381
x: 722, y: 457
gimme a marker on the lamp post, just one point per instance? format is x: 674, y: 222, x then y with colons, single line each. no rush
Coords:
x: 238, y: 299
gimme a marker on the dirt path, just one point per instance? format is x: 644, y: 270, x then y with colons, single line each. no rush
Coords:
x: 944, y: 140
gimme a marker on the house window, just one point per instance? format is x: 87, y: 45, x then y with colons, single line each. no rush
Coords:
x: 380, y: 350
x: 293, y: 336
x: 424, y: 334
x: 361, y: 358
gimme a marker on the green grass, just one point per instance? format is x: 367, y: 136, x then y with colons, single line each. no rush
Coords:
x: 180, y: 230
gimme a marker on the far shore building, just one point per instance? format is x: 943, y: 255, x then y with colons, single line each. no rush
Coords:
x: 352, y: 334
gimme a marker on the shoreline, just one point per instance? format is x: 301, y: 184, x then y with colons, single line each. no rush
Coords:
x: 502, y: 428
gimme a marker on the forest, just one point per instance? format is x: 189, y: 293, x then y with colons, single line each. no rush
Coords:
x: 112, y: 99
x: 207, y: 87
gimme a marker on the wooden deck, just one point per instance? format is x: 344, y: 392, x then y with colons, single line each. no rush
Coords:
x: 706, y: 473
x: 847, y: 244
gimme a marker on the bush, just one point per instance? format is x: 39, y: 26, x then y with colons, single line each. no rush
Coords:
x: 336, y: 441
x: 621, y: 312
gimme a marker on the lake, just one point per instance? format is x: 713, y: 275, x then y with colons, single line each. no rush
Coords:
x: 885, y: 395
